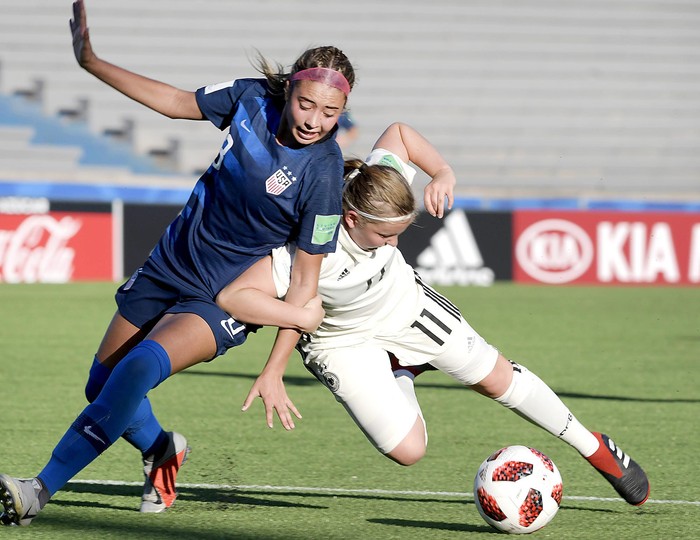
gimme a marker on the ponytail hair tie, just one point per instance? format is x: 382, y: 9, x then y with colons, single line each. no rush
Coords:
x: 353, y: 173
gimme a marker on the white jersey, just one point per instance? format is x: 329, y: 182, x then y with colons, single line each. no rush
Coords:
x: 376, y: 305
x: 362, y: 291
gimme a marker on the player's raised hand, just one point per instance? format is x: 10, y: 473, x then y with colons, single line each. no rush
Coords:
x: 81, y: 35
x: 440, y: 192
x: 274, y: 395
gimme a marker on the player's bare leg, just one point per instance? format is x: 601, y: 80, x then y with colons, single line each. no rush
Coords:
x: 121, y: 336
x: 412, y: 448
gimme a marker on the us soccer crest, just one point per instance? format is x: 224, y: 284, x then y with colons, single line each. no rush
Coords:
x: 280, y: 180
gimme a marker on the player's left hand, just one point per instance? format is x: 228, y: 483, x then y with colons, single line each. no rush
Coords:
x: 271, y: 390
x: 439, y: 191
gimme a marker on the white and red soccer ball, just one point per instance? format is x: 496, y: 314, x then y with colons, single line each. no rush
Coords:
x: 517, y: 489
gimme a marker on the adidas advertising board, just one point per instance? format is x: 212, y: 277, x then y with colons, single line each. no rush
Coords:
x: 463, y: 248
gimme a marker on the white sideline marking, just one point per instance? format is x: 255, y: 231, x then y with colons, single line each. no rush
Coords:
x: 302, y: 489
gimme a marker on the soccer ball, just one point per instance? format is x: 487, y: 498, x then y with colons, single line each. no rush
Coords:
x: 517, y: 489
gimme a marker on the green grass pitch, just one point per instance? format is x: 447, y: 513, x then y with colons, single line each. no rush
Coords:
x: 625, y: 360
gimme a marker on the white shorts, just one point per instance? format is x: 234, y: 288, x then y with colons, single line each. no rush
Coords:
x: 361, y: 379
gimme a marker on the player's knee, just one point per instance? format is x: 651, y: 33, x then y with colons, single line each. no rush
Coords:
x: 412, y: 448
x: 99, y: 373
x: 92, y: 390
x: 498, y: 381
x: 407, y: 454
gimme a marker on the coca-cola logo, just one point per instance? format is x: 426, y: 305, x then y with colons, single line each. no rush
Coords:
x: 554, y: 251
x: 37, y: 250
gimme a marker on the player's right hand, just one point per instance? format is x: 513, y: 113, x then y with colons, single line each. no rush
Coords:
x: 81, y: 35
x: 439, y: 193
x: 275, y: 400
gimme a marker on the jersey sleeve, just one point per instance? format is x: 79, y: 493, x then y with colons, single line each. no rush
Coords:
x: 218, y: 101
x: 380, y: 156
x: 321, y: 204
x: 282, y: 260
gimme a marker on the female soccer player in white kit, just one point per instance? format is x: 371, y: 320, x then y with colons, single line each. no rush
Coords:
x: 377, y: 310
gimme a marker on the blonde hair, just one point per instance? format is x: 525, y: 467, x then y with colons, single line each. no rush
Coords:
x: 378, y: 193
x: 323, y: 57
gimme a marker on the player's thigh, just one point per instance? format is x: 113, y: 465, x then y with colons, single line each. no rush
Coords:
x: 119, y: 339
x: 197, y: 330
x: 466, y: 356
x: 186, y: 337
x: 362, y: 381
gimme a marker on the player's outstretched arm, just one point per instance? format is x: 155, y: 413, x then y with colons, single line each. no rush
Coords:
x: 163, y: 98
x: 409, y: 145
x: 269, y: 385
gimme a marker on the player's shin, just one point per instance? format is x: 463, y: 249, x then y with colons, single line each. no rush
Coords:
x: 144, y: 431
x: 104, y: 421
x: 532, y: 399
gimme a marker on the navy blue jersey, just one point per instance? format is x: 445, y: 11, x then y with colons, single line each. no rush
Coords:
x: 257, y: 195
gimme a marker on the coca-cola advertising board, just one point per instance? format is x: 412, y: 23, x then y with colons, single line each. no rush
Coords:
x: 616, y: 248
x: 55, y: 247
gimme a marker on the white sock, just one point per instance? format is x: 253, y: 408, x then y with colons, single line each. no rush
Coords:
x: 532, y: 399
x: 404, y: 379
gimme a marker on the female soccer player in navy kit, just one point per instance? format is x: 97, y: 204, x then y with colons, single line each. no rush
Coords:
x: 277, y: 178
x: 382, y: 325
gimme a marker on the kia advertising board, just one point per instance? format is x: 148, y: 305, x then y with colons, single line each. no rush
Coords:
x: 618, y: 248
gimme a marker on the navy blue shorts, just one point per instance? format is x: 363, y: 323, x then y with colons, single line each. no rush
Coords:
x: 145, y: 298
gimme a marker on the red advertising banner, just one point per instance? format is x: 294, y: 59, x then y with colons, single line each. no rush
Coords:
x: 55, y: 247
x: 606, y: 248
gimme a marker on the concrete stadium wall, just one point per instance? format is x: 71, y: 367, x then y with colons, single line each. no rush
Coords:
x: 554, y: 98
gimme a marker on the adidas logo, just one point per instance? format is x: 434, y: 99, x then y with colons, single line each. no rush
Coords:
x: 470, y: 343
x: 453, y: 257
x: 343, y: 274
x: 624, y: 458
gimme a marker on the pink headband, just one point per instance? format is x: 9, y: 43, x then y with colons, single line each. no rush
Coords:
x: 323, y: 75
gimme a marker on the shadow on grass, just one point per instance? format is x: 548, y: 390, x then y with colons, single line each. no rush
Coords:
x: 204, y: 494
x: 435, y: 525
x: 270, y: 497
x: 233, y: 495
x: 289, y: 380
x: 152, y: 527
x: 311, y: 380
x: 216, y: 500
x: 466, y: 527
x: 222, y: 500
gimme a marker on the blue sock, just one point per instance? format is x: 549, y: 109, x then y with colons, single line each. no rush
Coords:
x: 105, y: 420
x: 144, y: 431
x: 99, y: 373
